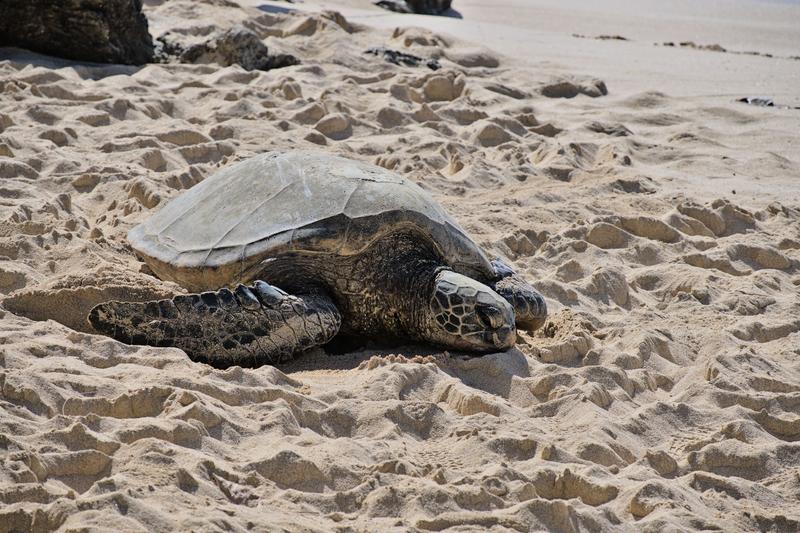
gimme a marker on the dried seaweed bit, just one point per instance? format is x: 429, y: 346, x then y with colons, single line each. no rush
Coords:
x: 402, y: 58
x: 757, y: 100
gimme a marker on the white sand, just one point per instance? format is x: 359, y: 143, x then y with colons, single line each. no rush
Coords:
x: 661, y: 221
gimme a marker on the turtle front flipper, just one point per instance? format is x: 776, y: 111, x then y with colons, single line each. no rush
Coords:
x: 530, y: 309
x: 249, y: 326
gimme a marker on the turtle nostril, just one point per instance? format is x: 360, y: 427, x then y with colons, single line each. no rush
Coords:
x: 504, y: 337
x: 491, y: 317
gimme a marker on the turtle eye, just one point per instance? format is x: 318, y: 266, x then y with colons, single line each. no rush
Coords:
x: 491, y: 317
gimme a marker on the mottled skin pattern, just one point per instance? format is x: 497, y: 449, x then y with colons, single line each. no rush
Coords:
x: 249, y: 326
x: 398, y: 288
x: 530, y: 310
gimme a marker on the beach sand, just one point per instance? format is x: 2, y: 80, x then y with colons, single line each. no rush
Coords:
x: 659, y: 216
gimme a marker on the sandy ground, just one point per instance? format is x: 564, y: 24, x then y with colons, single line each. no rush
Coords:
x: 660, y: 220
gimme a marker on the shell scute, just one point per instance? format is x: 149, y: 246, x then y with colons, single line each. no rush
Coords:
x: 219, y: 231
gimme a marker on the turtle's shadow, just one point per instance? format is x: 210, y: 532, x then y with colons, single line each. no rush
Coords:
x: 350, y: 357
x: 491, y: 373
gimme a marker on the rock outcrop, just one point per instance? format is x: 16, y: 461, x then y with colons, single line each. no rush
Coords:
x: 237, y: 46
x: 103, y: 31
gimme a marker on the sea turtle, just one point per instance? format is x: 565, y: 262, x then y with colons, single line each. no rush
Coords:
x: 358, y: 249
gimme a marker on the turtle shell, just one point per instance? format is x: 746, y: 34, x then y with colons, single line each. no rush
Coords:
x: 219, y: 232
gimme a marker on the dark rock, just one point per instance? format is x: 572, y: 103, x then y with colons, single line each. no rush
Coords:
x: 237, y: 46
x: 615, y: 130
x: 281, y: 60
x: 167, y: 49
x: 763, y: 101
x: 102, y: 31
x: 757, y: 100
x: 402, y: 58
x: 421, y: 7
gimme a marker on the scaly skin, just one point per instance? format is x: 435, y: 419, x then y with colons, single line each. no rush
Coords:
x: 389, y: 293
x: 249, y: 326
x: 396, y: 290
x: 530, y: 309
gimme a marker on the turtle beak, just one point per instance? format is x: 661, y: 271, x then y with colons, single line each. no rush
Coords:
x: 499, y: 323
x: 502, y: 338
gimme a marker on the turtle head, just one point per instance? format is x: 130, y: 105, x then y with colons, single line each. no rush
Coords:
x: 468, y: 315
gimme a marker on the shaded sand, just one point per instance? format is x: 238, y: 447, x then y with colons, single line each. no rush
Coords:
x: 663, y: 227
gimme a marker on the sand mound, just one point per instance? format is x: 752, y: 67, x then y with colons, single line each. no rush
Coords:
x: 662, y: 394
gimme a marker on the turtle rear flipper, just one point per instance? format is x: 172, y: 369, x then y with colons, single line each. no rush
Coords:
x: 249, y: 326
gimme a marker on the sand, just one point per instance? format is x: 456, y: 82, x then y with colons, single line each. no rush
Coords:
x: 659, y: 217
